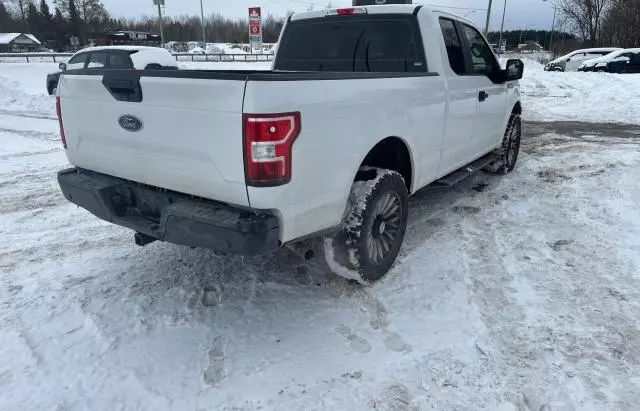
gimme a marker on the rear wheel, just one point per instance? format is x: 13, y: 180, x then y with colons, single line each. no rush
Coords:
x: 373, y: 230
x: 507, y: 154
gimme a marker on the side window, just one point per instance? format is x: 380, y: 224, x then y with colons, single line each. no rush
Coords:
x: 119, y: 60
x: 77, y: 61
x: 78, y: 58
x: 97, y: 59
x: 635, y: 59
x: 453, y: 45
x: 575, y: 57
x: 483, y: 61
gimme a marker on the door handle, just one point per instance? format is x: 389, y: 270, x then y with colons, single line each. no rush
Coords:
x: 482, y: 96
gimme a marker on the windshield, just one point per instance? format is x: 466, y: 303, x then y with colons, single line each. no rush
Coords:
x: 612, y: 55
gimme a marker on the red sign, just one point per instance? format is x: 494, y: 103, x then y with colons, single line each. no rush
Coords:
x: 255, y: 28
x: 254, y: 12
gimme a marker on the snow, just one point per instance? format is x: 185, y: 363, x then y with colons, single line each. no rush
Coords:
x: 153, y: 55
x: 591, y: 97
x: 516, y: 292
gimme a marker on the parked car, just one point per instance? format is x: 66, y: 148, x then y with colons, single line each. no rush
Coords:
x: 197, y: 50
x: 114, y: 57
x: 322, y: 152
x: 619, y: 61
x: 571, y: 61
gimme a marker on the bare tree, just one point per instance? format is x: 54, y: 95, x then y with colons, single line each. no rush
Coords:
x: 21, y: 6
x: 586, y: 16
x: 621, y: 25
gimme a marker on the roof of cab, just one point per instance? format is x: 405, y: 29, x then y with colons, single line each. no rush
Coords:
x: 383, y: 9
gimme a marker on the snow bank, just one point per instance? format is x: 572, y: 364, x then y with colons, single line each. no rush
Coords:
x: 576, y: 96
x: 23, y: 88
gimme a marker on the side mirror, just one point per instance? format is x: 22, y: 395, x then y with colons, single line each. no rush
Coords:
x: 515, y: 69
x: 63, y: 66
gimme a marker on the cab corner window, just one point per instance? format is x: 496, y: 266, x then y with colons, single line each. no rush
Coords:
x: 453, y: 45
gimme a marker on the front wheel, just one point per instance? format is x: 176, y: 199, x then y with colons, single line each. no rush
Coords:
x: 373, y: 230
x: 507, y: 154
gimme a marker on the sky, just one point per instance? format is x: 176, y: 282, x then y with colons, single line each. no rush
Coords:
x: 519, y: 13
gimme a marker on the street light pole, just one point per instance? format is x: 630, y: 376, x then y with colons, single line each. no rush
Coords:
x: 486, y: 26
x: 504, y: 10
x: 553, y: 23
x: 204, y: 38
x: 160, y: 3
x: 553, y: 26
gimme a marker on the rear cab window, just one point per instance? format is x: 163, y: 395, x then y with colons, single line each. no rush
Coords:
x: 353, y: 43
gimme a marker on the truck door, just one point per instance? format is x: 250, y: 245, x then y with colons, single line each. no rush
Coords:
x: 462, y: 104
x: 489, y: 124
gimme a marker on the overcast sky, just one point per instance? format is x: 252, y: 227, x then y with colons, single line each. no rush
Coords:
x: 520, y: 13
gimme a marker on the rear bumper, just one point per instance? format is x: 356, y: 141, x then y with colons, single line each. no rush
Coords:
x: 172, y: 217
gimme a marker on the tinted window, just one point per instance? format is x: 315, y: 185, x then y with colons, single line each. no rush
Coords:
x: 453, y: 45
x: 352, y: 43
x: 483, y: 60
x: 97, y: 59
x: 77, y: 59
x: 120, y: 60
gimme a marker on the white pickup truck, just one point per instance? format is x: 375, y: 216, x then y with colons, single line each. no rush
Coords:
x: 364, y: 106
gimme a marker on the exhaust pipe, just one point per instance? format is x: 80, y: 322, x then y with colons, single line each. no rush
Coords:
x: 143, y: 239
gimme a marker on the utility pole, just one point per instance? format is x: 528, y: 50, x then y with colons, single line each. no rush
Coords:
x: 160, y: 3
x: 204, y: 37
x: 486, y: 26
x: 553, y: 26
x: 504, y: 10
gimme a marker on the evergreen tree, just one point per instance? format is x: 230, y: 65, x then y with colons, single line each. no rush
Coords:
x: 33, y: 17
x: 45, y: 13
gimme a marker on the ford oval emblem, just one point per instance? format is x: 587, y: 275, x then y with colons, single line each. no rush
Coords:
x: 130, y: 123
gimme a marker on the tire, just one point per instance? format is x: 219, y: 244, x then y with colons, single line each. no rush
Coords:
x: 53, y: 89
x: 507, y: 154
x: 373, y: 229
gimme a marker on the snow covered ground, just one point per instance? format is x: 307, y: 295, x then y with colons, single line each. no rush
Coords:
x: 593, y: 97
x: 512, y: 293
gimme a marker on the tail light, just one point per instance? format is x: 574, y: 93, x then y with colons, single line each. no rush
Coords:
x: 59, y: 112
x: 268, y: 140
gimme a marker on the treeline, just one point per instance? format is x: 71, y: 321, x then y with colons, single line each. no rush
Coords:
x: 621, y: 24
x: 89, y: 19
x: 217, y: 28
x: 604, y: 22
x: 596, y: 23
x: 542, y: 37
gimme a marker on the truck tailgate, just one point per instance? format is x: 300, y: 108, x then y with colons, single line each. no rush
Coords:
x: 184, y: 135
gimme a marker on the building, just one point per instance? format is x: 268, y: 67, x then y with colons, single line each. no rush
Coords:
x: 19, y: 43
x: 530, y: 47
